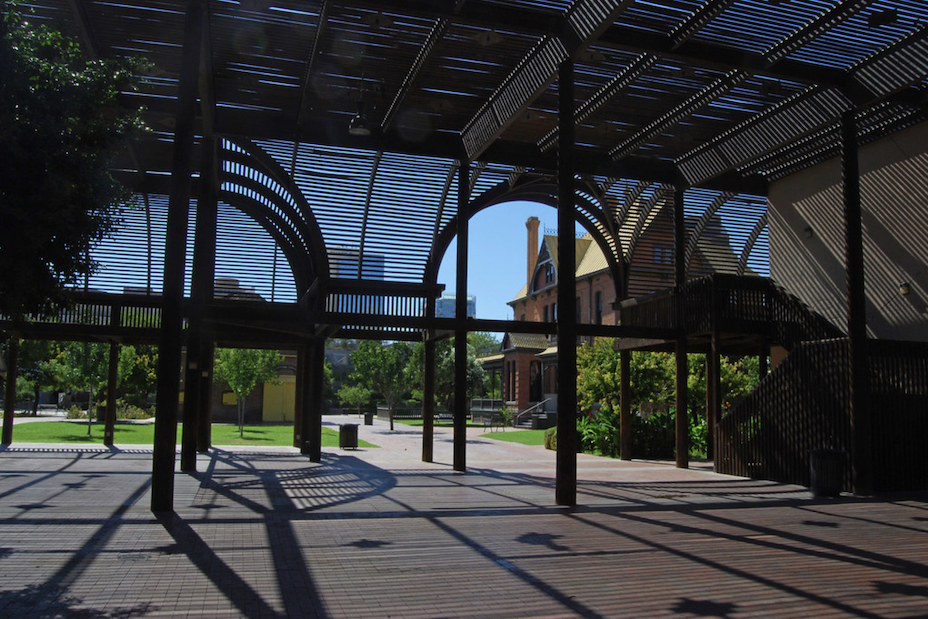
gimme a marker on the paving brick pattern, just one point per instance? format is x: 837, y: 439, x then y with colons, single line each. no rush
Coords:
x: 378, y: 533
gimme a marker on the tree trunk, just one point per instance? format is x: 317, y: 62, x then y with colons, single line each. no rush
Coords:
x: 35, y: 401
x: 90, y: 411
x: 241, y: 417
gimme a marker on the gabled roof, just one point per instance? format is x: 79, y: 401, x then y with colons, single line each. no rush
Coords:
x: 590, y: 259
x: 528, y: 342
x: 582, y: 246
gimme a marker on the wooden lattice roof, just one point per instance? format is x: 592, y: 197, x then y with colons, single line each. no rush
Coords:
x: 721, y: 95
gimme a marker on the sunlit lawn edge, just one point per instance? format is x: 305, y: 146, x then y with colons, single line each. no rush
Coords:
x: 143, y: 434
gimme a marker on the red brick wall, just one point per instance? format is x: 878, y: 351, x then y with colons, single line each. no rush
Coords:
x: 522, y: 361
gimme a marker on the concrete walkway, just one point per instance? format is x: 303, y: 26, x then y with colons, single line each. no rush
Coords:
x: 378, y: 533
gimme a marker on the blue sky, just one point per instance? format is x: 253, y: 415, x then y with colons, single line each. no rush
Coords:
x: 497, y: 255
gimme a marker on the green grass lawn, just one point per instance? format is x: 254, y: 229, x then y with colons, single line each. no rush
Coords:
x: 143, y: 434
x: 525, y: 437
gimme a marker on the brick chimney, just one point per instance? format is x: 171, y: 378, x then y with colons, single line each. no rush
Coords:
x: 532, y: 226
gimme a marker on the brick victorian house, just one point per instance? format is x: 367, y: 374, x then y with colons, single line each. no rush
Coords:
x: 527, y: 363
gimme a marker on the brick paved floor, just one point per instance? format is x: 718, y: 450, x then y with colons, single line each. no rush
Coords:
x: 377, y: 533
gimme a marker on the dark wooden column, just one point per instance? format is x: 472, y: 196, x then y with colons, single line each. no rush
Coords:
x: 205, y: 408
x: 858, y: 361
x: 198, y: 377
x: 9, y: 407
x: 302, y: 376
x: 428, y: 386
x: 169, y: 349
x: 306, y: 414
x: 763, y: 364
x: 566, y: 480
x: 679, y: 249
x: 312, y: 424
x: 460, y: 322
x: 428, y: 401
x: 112, y: 377
x: 192, y: 385
x: 713, y: 395
x: 625, y: 405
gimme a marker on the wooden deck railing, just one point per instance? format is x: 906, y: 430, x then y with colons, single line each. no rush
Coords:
x: 94, y: 314
x: 735, y: 304
x: 803, y: 405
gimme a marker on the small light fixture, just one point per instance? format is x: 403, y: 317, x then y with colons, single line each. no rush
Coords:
x: 358, y: 124
x: 904, y: 288
x: 807, y: 232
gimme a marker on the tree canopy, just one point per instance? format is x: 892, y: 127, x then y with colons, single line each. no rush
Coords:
x: 60, y: 128
x: 382, y: 368
x: 444, y: 371
x: 243, y: 369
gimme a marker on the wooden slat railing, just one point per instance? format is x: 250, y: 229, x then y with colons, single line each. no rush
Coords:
x: 802, y: 405
x: 738, y: 304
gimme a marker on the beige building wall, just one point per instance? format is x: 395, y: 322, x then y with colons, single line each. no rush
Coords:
x: 807, y: 236
x: 280, y: 400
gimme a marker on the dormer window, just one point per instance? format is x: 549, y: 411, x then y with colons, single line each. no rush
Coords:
x: 549, y: 273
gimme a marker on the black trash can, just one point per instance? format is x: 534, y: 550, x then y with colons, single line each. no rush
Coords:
x: 368, y: 419
x: 348, y: 436
x: 827, y: 471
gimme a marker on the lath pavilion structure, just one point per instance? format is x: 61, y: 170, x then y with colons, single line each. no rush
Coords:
x: 606, y: 109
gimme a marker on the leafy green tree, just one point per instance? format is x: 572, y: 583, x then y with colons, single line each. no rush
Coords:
x: 138, y: 371
x: 37, y: 367
x: 653, y: 390
x: 382, y: 368
x: 597, y: 375
x: 83, y: 366
x: 243, y: 369
x: 444, y: 372
x: 60, y: 127
x: 354, y: 395
x: 484, y: 343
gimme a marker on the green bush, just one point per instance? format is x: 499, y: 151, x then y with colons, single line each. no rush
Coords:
x: 75, y: 412
x: 599, y: 432
x: 124, y: 410
x: 551, y: 438
x: 699, y: 434
x: 653, y: 435
x: 505, y: 414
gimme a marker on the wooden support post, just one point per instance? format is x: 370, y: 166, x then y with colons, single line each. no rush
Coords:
x: 566, y: 474
x: 679, y: 252
x: 313, y: 431
x: 9, y: 405
x: 170, y: 344
x: 302, y: 380
x: 713, y: 397
x: 625, y: 405
x: 460, y: 318
x: 112, y: 376
x: 763, y: 357
x: 198, y: 375
x: 858, y: 360
x: 428, y: 401
x: 205, y: 408
x: 682, y: 420
x: 188, y: 439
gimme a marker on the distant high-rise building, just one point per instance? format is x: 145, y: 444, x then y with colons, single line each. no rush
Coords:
x: 350, y: 263
x: 344, y: 262
x: 444, y: 307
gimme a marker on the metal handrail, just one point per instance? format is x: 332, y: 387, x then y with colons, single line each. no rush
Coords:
x: 516, y: 420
